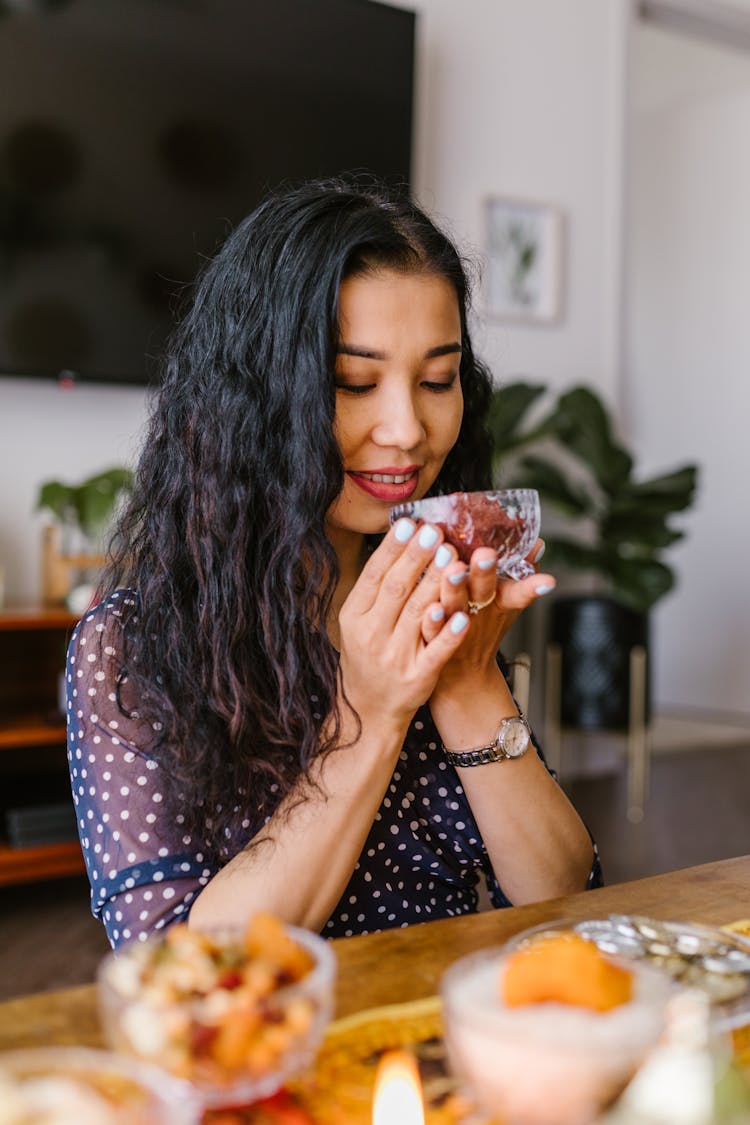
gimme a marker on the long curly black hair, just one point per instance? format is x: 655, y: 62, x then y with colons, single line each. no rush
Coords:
x: 224, y: 539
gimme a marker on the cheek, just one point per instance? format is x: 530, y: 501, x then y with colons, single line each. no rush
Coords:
x: 451, y: 426
x: 348, y: 427
x: 342, y: 432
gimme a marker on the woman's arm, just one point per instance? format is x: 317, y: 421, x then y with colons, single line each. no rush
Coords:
x: 298, y: 866
x: 537, y: 843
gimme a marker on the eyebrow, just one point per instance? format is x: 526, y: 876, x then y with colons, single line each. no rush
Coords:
x: 369, y: 353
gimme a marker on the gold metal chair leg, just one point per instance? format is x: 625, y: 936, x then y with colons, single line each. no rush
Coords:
x: 638, y: 737
x: 520, y: 678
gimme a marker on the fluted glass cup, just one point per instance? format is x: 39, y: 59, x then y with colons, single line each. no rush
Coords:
x: 506, y: 519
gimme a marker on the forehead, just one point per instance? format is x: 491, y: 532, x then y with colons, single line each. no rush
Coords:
x: 391, y: 302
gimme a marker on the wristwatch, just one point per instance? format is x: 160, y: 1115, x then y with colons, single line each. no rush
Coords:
x: 511, y: 741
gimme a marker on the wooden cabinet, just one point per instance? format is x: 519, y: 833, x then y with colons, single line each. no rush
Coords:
x: 33, y: 763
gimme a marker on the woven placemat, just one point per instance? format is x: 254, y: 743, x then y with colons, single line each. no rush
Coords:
x: 339, y: 1090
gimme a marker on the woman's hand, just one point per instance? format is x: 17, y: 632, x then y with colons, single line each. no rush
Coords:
x: 492, y: 604
x: 396, y: 633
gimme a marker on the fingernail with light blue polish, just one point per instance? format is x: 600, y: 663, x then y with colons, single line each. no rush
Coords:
x: 540, y: 553
x: 403, y: 531
x: 540, y: 590
x: 486, y: 564
x: 437, y: 613
x: 459, y: 621
x: 457, y: 579
x: 443, y: 556
x: 428, y: 536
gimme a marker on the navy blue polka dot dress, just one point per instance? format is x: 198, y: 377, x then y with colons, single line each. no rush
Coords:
x: 423, y: 859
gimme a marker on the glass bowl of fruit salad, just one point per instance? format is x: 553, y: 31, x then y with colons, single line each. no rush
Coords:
x: 85, y: 1086
x: 232, y: 1013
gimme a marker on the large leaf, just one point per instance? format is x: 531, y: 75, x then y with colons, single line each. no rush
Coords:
x: 90, y: 504
x: 572, y: 555
x: 671, y: 492
x: 96, y: 498
x: 57, y: 497
x: 583, y: 426
x: 554, y: 486
x: 645, y: 530
x: 509, y: 408
x: 639, y: 583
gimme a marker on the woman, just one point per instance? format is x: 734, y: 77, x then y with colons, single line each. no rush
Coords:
x: 259, y: 713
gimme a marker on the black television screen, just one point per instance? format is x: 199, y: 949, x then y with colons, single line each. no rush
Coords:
x: 135, y: 133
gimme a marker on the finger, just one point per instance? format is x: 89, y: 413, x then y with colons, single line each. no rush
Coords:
x: 536, y: 554
x: 435, y: 655
x: 400, y: 582
x: 454, y: 590
x: 517, y: 595
x: 482, y: 581
x: 432, y: 621
x: 428, y: 589
x: 402, y: 540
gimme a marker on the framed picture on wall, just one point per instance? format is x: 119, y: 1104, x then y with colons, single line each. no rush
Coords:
x: 524, y: 248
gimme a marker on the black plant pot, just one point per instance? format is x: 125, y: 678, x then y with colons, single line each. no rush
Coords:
x: 596, y: 636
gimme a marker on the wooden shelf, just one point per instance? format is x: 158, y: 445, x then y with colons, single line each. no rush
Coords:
x: 30, y: 730
x: 33, y: 767
x: 36, y: 617
x: 50, y: 861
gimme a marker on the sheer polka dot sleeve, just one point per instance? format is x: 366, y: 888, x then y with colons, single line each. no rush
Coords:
x: 144, y: 870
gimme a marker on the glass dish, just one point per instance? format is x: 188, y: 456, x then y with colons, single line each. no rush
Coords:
x: 696, y: 956
x: 234, y: 1025
x: 507, y: 520
x: 60, y: 1085
x: 545, y: 1063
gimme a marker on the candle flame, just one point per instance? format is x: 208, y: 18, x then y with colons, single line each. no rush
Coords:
x: 398, y: 1091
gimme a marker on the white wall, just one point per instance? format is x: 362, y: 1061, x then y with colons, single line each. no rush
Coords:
x: 525, y: 98
x: 688, y: 353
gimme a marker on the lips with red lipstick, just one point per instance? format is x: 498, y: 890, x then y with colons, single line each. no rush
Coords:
x: 390, y: 484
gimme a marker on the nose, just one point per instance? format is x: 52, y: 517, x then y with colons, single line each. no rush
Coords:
x: 400, y: 424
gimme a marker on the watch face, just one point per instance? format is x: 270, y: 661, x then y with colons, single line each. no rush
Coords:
x: 514, y: 738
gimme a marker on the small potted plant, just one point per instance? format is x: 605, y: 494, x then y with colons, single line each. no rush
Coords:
x: 612, y: 529
x: 73, y: 543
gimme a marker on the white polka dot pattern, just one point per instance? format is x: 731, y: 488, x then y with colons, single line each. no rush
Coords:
x: 422, y: 859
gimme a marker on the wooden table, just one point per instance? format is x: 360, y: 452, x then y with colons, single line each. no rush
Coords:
x: 400, y: 965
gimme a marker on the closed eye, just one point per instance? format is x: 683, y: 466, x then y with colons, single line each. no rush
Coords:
x: 355, y: 388
x: 439, y: 387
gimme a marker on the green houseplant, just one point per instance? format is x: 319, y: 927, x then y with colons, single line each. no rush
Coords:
x: 611, y: 529
x: 73, y: 544
x: 89, y: 506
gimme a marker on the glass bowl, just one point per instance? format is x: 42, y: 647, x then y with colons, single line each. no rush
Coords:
x: 507, y: 520
x: 234, y: 1019
x: 545, y: 1063
x: 60, y: 1085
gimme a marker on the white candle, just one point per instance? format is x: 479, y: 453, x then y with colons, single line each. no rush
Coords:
x: 398, y: 1091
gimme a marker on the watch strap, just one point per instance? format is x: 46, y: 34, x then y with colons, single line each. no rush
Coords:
x: 484, y: 755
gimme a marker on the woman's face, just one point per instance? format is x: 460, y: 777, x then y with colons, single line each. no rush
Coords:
x: 398, y: 394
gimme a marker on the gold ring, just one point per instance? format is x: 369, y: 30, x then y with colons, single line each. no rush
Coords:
x: 474, y: 607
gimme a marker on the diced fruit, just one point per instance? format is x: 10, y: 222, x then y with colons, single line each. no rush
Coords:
x: 565, y: 969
